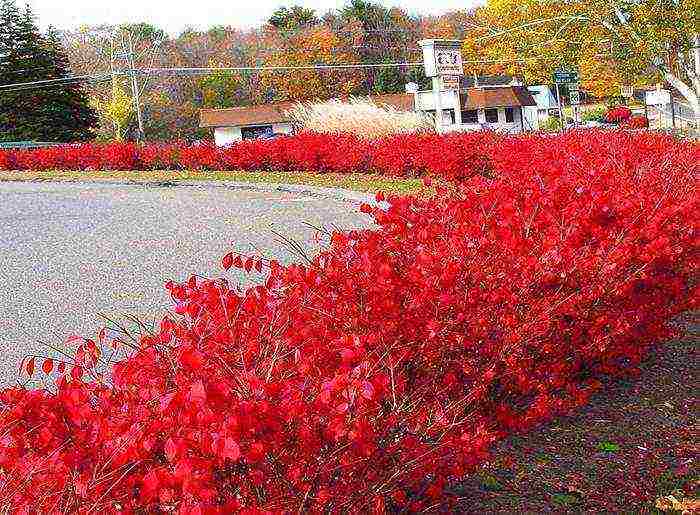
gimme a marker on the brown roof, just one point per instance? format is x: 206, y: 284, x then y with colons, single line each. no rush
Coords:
x: 249, y: 115
x: 478, y: 98
x: 400, y: 101
x: 276, y: 113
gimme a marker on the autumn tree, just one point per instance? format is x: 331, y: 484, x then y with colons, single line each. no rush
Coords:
x: 640, y: 40
x: 293, y: 18
x: 308, y: 48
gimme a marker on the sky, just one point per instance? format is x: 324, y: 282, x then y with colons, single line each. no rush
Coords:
x: 175, y: 15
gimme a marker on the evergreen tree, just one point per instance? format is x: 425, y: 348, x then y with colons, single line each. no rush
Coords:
x: 56, y: 112
x: 389, y: 80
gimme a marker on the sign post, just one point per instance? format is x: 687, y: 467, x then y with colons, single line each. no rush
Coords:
x: 564, y: 76
x: 575, y: 100
x: 442, y: 60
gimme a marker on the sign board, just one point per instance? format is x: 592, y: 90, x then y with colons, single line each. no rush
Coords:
x: 658, y: 97
x: 442, y: 57
x: 627, y: 91
x: 562, y: 76
x: 450, y: 82
x: 574, y: 96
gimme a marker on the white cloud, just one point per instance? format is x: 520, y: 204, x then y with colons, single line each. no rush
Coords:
x: 174, y: 15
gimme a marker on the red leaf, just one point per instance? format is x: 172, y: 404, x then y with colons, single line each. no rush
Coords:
x: 379, y: 196
x: 365, y: 208
x: 238, y: 262
x: 227, y: 261
x: 230, y: 449
x: 30, y: 366
x: 197, y: 393
x: 47, y: 366
x: 248, y: 264
x: 76, y: 373
x: 258, y: 265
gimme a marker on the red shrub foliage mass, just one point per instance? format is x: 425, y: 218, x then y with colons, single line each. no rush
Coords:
x: 371, y: 378
x: 453, y: 157
x: 636, y: 122
x: 618, y: 114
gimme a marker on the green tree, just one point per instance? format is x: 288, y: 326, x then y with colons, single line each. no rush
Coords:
x: 56, y: 111
x: 293, y: 18
x: 388, y: 80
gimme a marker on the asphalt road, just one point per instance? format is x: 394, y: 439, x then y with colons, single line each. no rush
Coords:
x: 69, y: 252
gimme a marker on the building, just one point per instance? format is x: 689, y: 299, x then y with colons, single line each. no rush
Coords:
x: 268, y: 120
x: 503, y: 108
x: 237, y: 123
x: 546, y: 101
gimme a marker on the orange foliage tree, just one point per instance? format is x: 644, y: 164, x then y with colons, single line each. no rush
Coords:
x: 316, y: 45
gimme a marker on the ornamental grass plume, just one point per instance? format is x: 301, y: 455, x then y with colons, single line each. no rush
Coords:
x: 360, y: 117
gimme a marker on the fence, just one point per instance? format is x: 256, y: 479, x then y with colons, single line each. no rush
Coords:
x: 4, y: 145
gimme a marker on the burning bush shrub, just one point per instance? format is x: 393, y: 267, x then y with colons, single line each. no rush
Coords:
x: 370, y: 378
x: 459, y: 155
x: 618, y: 114
x: 361, y: 117
x: 636, y: 122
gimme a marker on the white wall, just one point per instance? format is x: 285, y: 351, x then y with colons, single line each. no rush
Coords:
x: 226, y: 135
x: 532, y: 118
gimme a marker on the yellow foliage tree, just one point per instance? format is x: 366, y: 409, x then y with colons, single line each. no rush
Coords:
x: 117, y: 109
x: 609, y: 41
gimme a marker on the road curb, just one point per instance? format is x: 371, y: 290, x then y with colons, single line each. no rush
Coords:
x: 338, y: 194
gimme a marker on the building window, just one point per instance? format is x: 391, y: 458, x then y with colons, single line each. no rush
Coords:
x: 510, y: 115
x: 470, y: 116
x: 448, y: 115
x: 262, y: 131
x: 492, y: 116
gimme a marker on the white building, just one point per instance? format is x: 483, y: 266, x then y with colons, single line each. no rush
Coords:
x: 238, y: 123
x: 546, y: 101
x: 508, y: 109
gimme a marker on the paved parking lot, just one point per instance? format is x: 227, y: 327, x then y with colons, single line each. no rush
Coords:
x: 71, y: 251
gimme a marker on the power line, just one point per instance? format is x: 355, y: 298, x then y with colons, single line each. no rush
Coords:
x: 52, y: 83
x: 78, y: 78
x: 208, y: 70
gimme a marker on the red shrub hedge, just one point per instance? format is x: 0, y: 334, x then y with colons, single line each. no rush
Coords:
x: 618, y: 114
x: 636, y: 122
x: 371, y: 378
x: 449, y: 156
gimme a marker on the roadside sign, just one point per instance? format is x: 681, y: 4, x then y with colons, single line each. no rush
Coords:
x: 450, y: 82
x: 442, y: 57
x: 627, y: 91
x: 574, y: 96
x: 658, y: 97
x: 562, y: 76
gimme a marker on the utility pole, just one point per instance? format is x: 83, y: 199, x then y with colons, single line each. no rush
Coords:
x: 113, y: 74
x: 135, y: 89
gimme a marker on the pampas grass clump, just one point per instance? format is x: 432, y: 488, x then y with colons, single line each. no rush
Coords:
x: 359, y: 116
